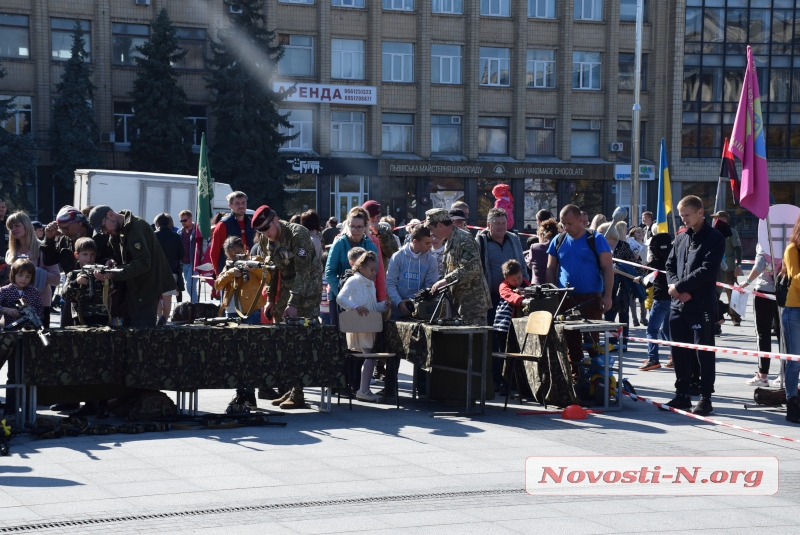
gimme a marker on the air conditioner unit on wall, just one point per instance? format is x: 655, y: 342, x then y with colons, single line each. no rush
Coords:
x: 142, y: 2
x: 615, y: 147
x: 236, y: 9
x: 107, y: 137
x: 455, y: 120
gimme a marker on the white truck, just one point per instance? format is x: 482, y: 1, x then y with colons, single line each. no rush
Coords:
x: 145, y: 194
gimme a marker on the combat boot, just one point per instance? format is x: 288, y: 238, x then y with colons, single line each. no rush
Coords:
x: 295, y: 400
x: 283, y: 398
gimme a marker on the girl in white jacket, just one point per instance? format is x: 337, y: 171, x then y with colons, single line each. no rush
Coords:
x: 358, y: 293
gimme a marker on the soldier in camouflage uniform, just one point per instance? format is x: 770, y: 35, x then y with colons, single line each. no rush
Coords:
x: 461, y: 262
x: 298, y: 290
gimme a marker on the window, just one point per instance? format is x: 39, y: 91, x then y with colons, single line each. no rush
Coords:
x: 398, y: 131
x: 14, y: 36
x: 125, y: 38
x: 303, y: 124
x: 398, y: 62
x: 347, y: 59
x: 297, y: 1
x: 400, y: 5
x: 193, y: 40
x: 540, y: 194
x: 348, y: 3
x: 493, y: 135
x: 123, y: 133
x: 588, y: 9
x: 445, y: 64
x: 585, y: 138
x: 496, y: 8
x: 347, y: 131
x: 542, y: 9
x: 454, y: 7
x: 625, y: 136
x: 446, y: 134
x: 540, y: 70
x: 199, y: 119
x: 627, y: 72
x: 494, y: 66
x: 540, y: 136
x: 627, y: 11
x: 21, y: 118
x: 61, y: 37
x: 298, y: 55
x: 586, y: 70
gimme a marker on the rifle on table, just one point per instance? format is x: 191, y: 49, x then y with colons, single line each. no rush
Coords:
x: 244, y: 265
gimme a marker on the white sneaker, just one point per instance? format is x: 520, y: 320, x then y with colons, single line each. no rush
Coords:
x: 367, y: 396
x: 777, y: 382
x: 757, y: 380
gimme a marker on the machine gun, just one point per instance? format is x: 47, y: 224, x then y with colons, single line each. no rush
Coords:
x: 445, y: 298
x: 28, y: 315
x: 244, y: 265
x: 216, y: 321
x: 540, y: 291
x: 89, y: 270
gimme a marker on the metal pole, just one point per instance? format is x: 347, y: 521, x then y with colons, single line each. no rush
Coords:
x: 637, y: 89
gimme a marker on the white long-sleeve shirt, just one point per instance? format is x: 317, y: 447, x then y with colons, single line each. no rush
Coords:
x: 359, y: 291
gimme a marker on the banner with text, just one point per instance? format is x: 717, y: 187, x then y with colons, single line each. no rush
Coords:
x: 333, y: 94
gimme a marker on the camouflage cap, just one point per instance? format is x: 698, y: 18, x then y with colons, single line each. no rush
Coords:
x: 437, y: 215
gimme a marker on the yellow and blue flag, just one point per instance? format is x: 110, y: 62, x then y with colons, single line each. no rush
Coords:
x: 664, y: 191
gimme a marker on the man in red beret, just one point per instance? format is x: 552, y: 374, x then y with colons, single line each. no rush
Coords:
x: 298, y: 290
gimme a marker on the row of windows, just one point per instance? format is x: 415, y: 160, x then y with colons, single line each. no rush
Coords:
x: 540, y: 9
x: 717, y: 35
x: 347, y: 63
x: 397, y: 134
x: 14, y: 40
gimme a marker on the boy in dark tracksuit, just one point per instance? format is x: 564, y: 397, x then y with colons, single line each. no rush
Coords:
x: 692, y: 269
x: 86, y: 309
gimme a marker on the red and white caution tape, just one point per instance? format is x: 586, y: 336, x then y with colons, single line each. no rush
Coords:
x: 664, y: 406
x: 714, y: 349
x: 720, y: 284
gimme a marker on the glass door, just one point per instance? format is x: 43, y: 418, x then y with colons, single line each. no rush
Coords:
x: 347, y: 192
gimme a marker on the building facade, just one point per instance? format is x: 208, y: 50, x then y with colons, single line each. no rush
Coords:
x: 453, y: 96
x: 419, y: 103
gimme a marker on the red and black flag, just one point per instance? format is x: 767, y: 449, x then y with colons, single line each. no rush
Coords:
x: 728, y: 170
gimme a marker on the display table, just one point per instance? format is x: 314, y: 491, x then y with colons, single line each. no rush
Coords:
x: 184, y: 359
x: 448, y: 352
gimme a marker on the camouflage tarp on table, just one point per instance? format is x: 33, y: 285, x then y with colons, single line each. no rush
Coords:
x: 409, y: 340
x: 554, y: 380
x: 187, y: 357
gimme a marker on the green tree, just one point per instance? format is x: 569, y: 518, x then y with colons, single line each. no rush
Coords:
x: 17, y: 158
x: 246, y: 136
x: 164, y: 140
x: 74, y: 136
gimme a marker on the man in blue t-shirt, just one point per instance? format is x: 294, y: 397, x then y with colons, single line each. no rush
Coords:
x: 575, y: 265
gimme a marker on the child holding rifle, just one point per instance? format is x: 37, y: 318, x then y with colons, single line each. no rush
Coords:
x: 90, y: 300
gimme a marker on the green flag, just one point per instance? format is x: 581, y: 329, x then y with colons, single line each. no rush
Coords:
x: 205, y: 192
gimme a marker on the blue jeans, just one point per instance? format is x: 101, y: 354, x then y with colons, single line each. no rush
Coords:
x: 192, y: 285
x: 657, y: 326
x: 790, y: 324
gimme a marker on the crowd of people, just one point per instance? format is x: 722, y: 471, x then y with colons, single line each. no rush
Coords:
x: 119, y: 269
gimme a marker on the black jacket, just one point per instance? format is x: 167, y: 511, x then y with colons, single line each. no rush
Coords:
x: 172, y: 245
x: 692, y: 267
x: 61, y: 251
x: 660, y: 286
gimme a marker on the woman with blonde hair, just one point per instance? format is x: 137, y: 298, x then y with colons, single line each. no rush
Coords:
x: 537, y: 259
x: 620, y: 295
x: 597, y: 220
x: 22, y: 242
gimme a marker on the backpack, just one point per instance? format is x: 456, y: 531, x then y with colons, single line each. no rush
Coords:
x: 143, y: 405
x: 589, y: 241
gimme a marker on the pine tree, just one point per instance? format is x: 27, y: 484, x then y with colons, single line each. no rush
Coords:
x: 246, y: 136
x: 17, y: 159
x: 160, y: 106
x: 74, y: 136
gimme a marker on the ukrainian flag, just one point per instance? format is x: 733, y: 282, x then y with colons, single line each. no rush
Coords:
x: 664, y: 191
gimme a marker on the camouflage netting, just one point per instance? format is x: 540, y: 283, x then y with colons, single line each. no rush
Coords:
x: 186, y: 357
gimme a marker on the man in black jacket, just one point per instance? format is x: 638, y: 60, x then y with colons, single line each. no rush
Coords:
x: 692, y: 275
x: 172, y: 245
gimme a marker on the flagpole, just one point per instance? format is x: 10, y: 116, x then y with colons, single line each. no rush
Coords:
x: 635, y: 135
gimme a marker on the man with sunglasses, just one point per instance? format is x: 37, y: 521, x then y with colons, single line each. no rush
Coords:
x: 298, y: 290
x: 136, y: 251
x: 192, y: 252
